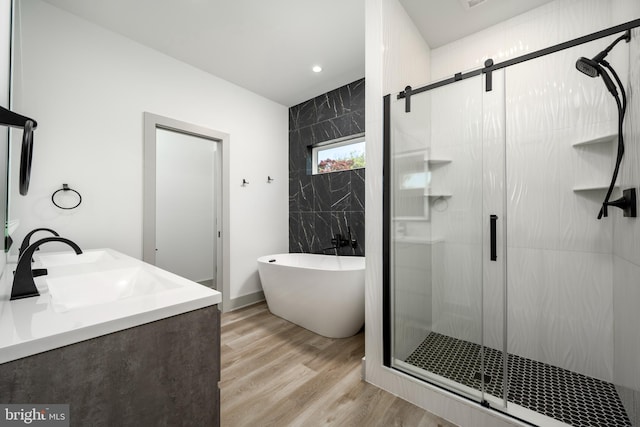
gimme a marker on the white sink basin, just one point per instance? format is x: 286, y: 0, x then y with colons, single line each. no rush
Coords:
x: 82, y: 290
x: 59, y: 259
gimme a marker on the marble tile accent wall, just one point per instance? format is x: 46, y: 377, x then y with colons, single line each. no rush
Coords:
x: 321, y: 206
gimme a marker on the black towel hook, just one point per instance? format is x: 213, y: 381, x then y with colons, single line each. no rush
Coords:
x: 66, y: 188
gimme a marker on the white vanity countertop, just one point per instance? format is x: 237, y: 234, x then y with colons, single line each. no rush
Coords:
x: 33, y: 325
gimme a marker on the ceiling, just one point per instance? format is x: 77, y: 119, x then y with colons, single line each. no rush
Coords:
x: 443, y: 21
x: 269, y: 47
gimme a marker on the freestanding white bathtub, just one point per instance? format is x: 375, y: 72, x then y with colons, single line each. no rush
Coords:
x: 322, y: 293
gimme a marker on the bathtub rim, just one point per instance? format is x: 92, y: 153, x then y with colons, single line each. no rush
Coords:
x: 353, y: 263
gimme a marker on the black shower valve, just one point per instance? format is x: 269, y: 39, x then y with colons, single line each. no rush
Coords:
x: 627, y: 203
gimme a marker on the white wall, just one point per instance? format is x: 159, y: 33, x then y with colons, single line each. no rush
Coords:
x: 88, y: 89
x: 626, y: 240
x: 185, y: 205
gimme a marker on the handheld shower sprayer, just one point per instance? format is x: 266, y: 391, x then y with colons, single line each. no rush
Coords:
x: 598, y: 66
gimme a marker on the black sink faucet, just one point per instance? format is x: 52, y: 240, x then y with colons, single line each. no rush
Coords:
x: 26, y: 241
x: 23, y: 284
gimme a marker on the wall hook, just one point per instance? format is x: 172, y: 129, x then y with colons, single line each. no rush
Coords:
x: 269, y: 179
x: 244, y: 182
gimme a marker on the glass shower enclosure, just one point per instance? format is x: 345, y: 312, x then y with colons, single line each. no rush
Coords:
x: 499, y: 278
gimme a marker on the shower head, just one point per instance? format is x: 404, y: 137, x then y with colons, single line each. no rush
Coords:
x: 593, y: 68
x: 588, y: 66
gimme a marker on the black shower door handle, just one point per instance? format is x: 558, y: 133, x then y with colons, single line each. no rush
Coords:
x: 494, y: 249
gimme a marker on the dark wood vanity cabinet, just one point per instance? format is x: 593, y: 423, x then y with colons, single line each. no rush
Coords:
x: 163, y: 373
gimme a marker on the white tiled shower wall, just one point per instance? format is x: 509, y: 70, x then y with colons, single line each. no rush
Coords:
x: 626, y: 251
x: 560, y: 269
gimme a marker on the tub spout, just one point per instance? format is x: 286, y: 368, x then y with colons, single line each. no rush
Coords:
x: 330, y: 248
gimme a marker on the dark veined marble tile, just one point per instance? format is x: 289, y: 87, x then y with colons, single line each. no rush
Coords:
x: 308, y: 238
x: 357, y: 95
x: 307, y: 137
x: 357, y: 121
x: 343, y: 103
x: 340, y: 187
x: 343, y: 125
x: 358, y: 231
x: 323, y: 232
x: 339, y: 222
x: 321, y: 192
x: 294, y: 117
x: 325, y: 107
x: 297, y: 151
x: 325, y: 131
x: 305, y: 193
x: 307, y: 115
x: 295, y: 242
x: 358, y: 190
x: 293, y: 191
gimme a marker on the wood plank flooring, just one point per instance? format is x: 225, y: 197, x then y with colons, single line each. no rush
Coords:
x: 275, y: 373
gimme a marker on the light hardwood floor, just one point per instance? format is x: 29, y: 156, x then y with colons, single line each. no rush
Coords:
x: 275, y: 373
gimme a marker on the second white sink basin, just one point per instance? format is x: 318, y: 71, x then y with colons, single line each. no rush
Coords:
x: 87, y: 289
x: 58, y: 259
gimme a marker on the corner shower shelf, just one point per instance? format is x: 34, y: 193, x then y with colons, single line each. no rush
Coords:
x: 599, y: 140
x: 418, y: 240
x: 437, y: 161
x: 411, y: 218
x: 592, y: 188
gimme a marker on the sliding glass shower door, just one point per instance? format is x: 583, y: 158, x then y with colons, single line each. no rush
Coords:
x: 446, y: 224
x: 503, y: 284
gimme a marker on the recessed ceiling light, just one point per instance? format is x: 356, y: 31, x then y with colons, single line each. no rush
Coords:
x: 317, y: 68
x: 468, y: 4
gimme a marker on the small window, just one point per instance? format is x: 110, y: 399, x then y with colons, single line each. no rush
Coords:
x: 339, y: 155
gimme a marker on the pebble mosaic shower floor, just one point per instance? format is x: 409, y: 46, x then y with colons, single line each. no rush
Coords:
x: 567, y: 396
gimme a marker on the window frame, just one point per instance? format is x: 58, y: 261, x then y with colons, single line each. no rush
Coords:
x: 335, y: 143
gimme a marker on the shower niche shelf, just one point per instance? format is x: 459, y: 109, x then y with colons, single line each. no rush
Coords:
x: 606, y: 139
x: 436, y: 162
x: 600, y: 140
x: 411, y: 218
x: 437, y: 194
x: 584, y: 188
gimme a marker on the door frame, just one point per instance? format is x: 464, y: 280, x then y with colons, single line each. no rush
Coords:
x: 153, y: 122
